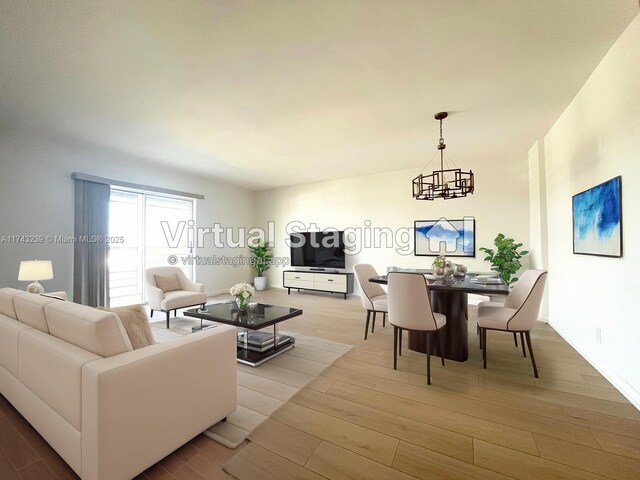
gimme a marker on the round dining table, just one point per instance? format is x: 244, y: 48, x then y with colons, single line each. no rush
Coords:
x: 449, y: 296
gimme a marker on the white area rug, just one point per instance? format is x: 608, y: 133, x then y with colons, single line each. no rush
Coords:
x: 262, y: 390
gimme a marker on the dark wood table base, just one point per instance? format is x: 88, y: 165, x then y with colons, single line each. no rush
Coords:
x: 453, y: 305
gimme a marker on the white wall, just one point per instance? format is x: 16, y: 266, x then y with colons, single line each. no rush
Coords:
x: 597, y: 138
x: 37, y: 197
x: 500, y: 204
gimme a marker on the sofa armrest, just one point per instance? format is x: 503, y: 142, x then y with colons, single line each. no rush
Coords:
x: 155, y: 296
x: 192, y: 286
x: 139, y: 406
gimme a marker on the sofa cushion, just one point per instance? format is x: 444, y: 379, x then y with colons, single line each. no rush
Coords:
x: 30, y: 310
x: 6, y: 301
x: 136, y: 322
x: 168, y: 283
x: 99, y: 332
x: 10, y: 330
x: 52, y: 369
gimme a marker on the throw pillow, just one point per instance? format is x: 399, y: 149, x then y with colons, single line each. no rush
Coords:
x: 136, y: 323
x: 169, y: 283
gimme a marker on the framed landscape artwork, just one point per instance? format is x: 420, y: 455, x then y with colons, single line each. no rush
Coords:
x: 597, y: 220
x: 453, y: 238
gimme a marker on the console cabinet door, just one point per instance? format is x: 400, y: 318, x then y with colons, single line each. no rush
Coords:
x: 299, y: 280
x: 330, y: 282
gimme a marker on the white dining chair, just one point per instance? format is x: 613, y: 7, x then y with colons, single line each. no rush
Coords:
x: 372, y: 295
x: 410, y: 309
x: 517, y: 315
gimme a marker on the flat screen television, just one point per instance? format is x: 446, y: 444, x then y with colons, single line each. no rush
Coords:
x: 317, y: 249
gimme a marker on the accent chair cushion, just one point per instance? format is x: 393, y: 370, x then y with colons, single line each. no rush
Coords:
x: 183, y: 298
x: 168, y: 283
x: 136, y: 322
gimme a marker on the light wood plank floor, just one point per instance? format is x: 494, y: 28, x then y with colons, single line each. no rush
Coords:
x: 361, y: 419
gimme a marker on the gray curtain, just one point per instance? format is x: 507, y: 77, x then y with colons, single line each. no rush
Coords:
x: 90, y: 269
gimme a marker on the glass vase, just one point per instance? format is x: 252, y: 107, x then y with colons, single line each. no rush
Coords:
x: 243, y: 303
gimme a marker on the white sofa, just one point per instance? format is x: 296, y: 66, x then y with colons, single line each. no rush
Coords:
x: 108, y: 410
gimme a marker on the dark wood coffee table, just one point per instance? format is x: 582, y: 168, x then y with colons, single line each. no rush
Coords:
x: 253, y: 348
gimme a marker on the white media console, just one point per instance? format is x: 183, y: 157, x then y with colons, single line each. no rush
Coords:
x: 332, y: 282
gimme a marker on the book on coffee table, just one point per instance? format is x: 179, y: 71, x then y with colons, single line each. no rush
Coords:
x: 261, y: 341
x: 258, y: 338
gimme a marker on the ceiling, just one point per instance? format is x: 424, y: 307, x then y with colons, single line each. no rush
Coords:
x: 268, y: 93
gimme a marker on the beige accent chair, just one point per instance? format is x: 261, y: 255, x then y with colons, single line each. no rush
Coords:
x: 373, y: 296
x: 190, y: 294
x: 517, y: 315
x: 410, y: 309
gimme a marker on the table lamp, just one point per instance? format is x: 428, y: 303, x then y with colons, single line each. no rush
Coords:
x: 34, y: 270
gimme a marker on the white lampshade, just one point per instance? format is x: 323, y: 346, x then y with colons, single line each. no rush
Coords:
x: 34, y: 270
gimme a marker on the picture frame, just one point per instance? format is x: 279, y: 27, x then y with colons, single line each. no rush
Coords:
x: 452, y: 238
x: 597, y: 220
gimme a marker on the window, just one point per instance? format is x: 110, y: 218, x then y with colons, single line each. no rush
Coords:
x: 136, y: 216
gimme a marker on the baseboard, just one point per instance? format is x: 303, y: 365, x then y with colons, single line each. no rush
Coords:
x: 220, y: 291
x: 624, y: 387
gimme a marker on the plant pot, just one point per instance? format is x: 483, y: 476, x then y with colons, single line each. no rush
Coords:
x: 260, y: 283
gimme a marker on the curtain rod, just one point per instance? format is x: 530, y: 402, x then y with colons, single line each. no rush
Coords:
x: 137, y: 186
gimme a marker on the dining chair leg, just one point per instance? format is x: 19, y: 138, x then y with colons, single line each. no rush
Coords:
x: 483, y: 334
x: 168, y: 312
x: 479, y: 335
x: 366, y: 326
x: 400, y: 342
x: 428, y: 358
x: 515, y: 339
x: 441, y: 347
x: 395, y: 347
x: 533, y: 360
x: 151, y: 314
x: 373, y: 322
x: 524, y: 353
x: 384, y: 319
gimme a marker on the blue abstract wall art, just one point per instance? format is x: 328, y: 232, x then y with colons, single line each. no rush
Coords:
x: 453, y: 238
x: 597, y: 220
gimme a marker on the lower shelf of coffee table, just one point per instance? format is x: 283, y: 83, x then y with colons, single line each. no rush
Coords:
x: 253, y: 359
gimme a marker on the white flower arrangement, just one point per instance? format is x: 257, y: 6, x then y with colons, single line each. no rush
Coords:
x: 242, y: 290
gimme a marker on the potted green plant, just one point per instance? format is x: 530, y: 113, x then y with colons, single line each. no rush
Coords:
x: 505, y: 258
x: 262, y: 254
x: 438, y: 264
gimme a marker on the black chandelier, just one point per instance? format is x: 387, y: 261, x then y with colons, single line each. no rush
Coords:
x: 444, y: 183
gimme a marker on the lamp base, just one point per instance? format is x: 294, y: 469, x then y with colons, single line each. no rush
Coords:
x: 35, y: 287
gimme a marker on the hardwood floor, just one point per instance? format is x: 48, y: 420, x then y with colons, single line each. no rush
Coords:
x: 25, y: 455
x: 362, y: 419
